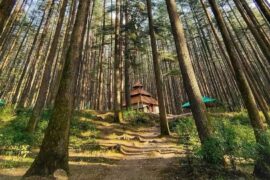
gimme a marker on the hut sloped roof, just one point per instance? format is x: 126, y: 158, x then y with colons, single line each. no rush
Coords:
x: 139, y: 95
x: 137, y: 84
x: 149, y: 100
x: 139, y: 91
x: 143, y: 99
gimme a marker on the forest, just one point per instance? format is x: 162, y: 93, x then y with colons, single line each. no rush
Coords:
x: 134, y: 90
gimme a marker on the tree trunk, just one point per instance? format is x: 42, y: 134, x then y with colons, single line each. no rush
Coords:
x: 53, y: 153
x: 101, y: 57
x: 164, y: 128
x: 6, y: 7
x: 28, y: 61
x: 244, y: 87
x: 127, y: 58
x: 40, y: 102
x: 190, y: 83
x: 37, y: 56
x: 255, y: 30
x: 55, y: 85
x: 118, y: 116
x: 265, y: 9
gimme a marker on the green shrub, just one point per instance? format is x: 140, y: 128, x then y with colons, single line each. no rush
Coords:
x: 186, y: 130
x: 212, y: 151
x: 130, y: 114
x: 237, y: 138
x: 84, y: 144
x: 241, y: 118
x: 233, y: 137
x: 263, y: 147
x: 81, y: 126
x: 7, y: 113
x: 83, y: 133
x: 185, y: 126
x: 14, y: 140
x: 138, y: 117
x: 85, y: 114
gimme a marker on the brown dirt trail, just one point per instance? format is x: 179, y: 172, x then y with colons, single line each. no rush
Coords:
x: 127, y: 153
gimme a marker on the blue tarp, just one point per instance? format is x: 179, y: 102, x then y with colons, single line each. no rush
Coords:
x: 2, y: 102
x: 205, y: 99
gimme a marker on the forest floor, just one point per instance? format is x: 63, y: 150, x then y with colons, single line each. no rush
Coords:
x: 123, y: 152
x: 129, y: 153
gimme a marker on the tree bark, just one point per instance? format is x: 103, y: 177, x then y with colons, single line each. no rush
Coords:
x: 28, y: 62
x: 265, y: 9
x: 6, y: 7
x: 190, y: 83
x: 118, y: 116
x: 127, y: 58
x: 53, y: 153
x: 40, y: 102
x: 164, y: 128
x: 256, y: 32
x: 101, y: 57
x: 244, y: 88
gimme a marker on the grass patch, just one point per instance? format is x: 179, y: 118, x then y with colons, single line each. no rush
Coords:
x: 7, y: 162
x: 138, y: 118
x: 83, y: 133
x: 14, y: 140
x: 233, y: 140
x: 16, y: 144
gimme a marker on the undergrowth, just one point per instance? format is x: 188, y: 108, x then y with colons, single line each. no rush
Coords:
x: 138, y: 118
x: 233, y: 144
x: 16, y: 145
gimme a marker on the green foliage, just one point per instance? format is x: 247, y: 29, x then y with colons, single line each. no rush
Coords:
x: 15, y: 161
x: 264, y: 147
x: 241, y: 118
x: 80, y: 143
x: 186, y: 130
x: 238, y: 140
x: 83, y: 133
x: 167, y: 56
x: 212, y: 151
x: 18, y: 150
x: 78, y: 125
x: 14, y: 130
x: 138, y: 118
x: 6, y: 113
x: 233, y: 137
x: 14, y: 140
x: 84, y: 114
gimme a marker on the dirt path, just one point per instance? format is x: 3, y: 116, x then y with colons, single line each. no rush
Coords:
x: 126, y: 153
x: 137, y: 153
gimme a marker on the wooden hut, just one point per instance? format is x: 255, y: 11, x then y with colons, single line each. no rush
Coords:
x: 142, y: 100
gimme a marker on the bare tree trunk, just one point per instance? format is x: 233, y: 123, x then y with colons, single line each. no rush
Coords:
x: 127, y: 58
x: 249, y: 100
x: 118, y: 116
x: 255, y: 30
x: 28, y: 62
x: 265, y: 9
x: 53, y: 153
x: 41, y: 99
x: 6, y: 7
x: 190, y: 83
x: 164, y: 128
x: 101, y: 57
